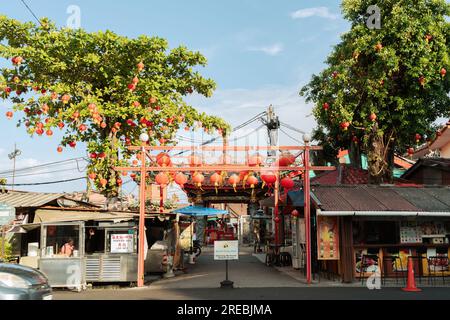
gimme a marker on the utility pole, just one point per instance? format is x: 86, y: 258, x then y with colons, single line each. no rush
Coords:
x: 273, y: 125
x: 13, y: 156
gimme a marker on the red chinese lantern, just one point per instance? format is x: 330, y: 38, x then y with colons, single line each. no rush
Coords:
x: 411, y: 151
x: 252, y: 181
x: 92, y: 176
x: 418, y: 137
x: 103, y: 182
x: 287, y: 183
x: 255, y: 160
x: 277, y: 219
x: 286, y: 160
x: 295, y: 213
x: 269, y: 178
x: 162, y: 179
x: 181, y: 179
x: 198, y: 179
x: 119, y: 182
x: 234, y: 180
x: 195, y: 160
x: 163, y: 160
x: 215, y: 179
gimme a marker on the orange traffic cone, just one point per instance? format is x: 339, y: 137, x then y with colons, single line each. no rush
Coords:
x: 411, y: 285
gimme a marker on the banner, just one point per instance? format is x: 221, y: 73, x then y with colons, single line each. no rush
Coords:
x: 327, y: 238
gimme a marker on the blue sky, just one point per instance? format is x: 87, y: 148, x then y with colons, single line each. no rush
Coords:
x: 259, y: 53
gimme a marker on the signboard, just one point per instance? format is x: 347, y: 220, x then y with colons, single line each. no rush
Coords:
x: 327, y: 238
x: 7, y: 214
x: 226, y: 250
x: 122, y: 243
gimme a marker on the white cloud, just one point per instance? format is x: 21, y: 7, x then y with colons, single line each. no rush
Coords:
x: 271, y: 50
x: 322, y: 12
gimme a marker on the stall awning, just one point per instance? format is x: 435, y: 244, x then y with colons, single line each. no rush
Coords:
x: 198, y: 211
x: 43, y: 215
x: 384, y: 213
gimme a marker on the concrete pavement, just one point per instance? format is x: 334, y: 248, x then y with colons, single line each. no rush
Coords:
x: 253, y: 281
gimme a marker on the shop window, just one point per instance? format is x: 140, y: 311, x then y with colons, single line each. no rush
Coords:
x: 375, y: 232
x: 61, y: 240
x: 95, y: 240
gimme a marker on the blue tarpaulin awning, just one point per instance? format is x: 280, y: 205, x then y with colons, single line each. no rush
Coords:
x: 200, y: 211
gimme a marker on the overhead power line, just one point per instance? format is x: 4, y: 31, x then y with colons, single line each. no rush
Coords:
x: 31, y: 11
x: 291, y: 127
x: 44, y: 183
x: 296, y: 140
x: 44, y: 165
x: 242, y: 125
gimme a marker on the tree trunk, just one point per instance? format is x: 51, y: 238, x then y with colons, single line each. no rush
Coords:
x: 380, y: 157
x: 354, y: 153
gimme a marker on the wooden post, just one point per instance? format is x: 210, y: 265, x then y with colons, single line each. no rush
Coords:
x: 141, y: 258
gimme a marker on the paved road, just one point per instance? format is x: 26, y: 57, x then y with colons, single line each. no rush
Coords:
x: 253, y: 280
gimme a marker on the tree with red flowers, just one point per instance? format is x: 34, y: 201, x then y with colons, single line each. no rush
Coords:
x: 102, y: 89
x: 384, y: 88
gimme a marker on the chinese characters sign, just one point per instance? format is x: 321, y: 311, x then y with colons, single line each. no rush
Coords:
x: 327, y: 238
x: 122, y: 243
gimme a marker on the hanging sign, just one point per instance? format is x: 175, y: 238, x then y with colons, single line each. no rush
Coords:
x: 327, y: 238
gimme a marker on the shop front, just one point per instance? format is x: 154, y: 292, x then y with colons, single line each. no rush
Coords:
x: 367, y: 230
x: 74, y: 248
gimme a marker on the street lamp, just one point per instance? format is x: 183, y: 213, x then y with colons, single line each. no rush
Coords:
x: 12, y: 156
x: 140, y: 281
x: 306, y: 193
x: 144, y: 137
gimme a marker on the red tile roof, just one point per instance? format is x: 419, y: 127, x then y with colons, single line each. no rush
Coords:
x: 350, y: 175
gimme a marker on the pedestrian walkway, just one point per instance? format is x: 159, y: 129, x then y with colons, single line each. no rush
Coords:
x: 247, y: 272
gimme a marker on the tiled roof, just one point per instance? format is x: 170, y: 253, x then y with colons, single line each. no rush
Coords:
x: 441, y: 163
x: 350, y: 175
x: 382, y: 198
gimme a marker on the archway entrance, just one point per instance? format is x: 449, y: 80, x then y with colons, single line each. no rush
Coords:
x: 244, y: 179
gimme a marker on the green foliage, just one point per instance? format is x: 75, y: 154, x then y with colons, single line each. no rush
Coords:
x: 394, y: 73
x: 101, y: 88
x: 8, y: 250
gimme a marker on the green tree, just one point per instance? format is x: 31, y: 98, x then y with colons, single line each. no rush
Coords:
x: 383, y: 89
x: 102, y: 89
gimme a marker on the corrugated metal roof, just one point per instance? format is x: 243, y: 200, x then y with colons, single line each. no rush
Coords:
x: 383, y: 198
x: 18, y: 199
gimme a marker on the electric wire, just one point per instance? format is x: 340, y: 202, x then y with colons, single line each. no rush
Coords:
x: 43, y: 183
x: 49, y: 164
x: 290, y: 136
x: 31, y: 11
x: 291, y: 127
